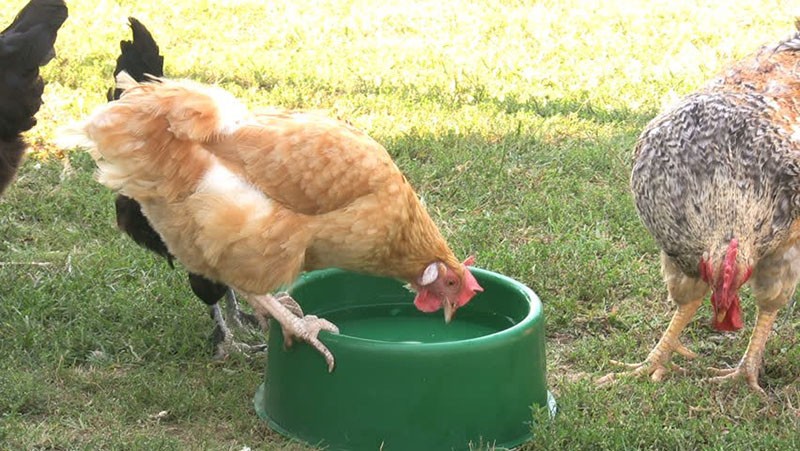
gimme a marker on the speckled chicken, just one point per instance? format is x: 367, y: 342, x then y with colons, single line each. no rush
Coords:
x: 716, y: 181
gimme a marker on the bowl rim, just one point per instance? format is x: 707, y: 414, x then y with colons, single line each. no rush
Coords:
x: 535, y: 309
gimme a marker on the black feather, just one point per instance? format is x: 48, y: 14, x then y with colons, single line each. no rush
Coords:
x: 25, y: 45
x: 131, y: 221
x: 137, y: 58
x: 140, y: 58
x: 207, y: 290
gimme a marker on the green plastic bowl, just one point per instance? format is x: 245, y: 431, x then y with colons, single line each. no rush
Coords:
x: 405, y: 380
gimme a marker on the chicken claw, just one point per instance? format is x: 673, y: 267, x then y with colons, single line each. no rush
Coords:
x: 286, y: 300
x: 225, y: 343
x: 743, y: 369
x: 307, y: 328
x: 228, y: 347
x: 750, y: 364
x: 655, y: 364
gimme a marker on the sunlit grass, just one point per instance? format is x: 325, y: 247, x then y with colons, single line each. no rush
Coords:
x: 514, y: 120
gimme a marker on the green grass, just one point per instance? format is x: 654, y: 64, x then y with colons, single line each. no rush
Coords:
x: 515, y: 121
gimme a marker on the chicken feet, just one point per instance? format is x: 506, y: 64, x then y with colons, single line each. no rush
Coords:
x: 234, y: 312
x: 655, y: 363
x: 224, y: 339
x: 750, y: 365
x: 306, y: 328
x: 286, y: 300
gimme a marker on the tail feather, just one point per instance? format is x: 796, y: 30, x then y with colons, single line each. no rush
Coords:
x: 136, y: 148
x: 194, y: 112
x: 139, y: 57
x: 28, y: 41
x: 25, y: 45
x: 125, y: 81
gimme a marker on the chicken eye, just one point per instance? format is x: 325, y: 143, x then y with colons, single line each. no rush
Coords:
x: 451, y: 283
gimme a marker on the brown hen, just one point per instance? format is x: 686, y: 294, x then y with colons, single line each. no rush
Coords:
x: 251, y: 200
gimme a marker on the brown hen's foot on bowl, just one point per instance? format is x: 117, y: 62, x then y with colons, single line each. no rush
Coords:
x: 286, y: 300
x: 306, y: 328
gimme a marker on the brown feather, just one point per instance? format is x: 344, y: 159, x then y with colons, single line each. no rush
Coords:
x: 253, y: 199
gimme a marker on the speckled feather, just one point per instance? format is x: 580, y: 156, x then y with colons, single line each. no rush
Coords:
x: 716, y: 180
x: 724, y: 163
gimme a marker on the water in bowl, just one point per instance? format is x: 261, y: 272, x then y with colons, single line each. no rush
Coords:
x: 402, y: 323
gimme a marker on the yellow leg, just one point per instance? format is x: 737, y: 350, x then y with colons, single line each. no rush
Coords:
x: 654, y: 364
x: 750, y: 365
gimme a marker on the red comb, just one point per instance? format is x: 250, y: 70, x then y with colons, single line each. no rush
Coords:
x: 729, y: 267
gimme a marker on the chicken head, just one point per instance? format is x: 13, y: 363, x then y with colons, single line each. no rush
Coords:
x: 442, y: 287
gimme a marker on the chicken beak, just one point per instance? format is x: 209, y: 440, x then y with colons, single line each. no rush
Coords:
x: 721, y: 315
x: 449, y: 311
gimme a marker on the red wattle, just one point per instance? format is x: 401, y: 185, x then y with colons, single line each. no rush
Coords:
x: 732, y: 320
x: 425, y: 301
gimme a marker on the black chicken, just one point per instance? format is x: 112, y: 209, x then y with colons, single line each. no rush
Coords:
x: 140, y: 57
x: 25, y: 45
